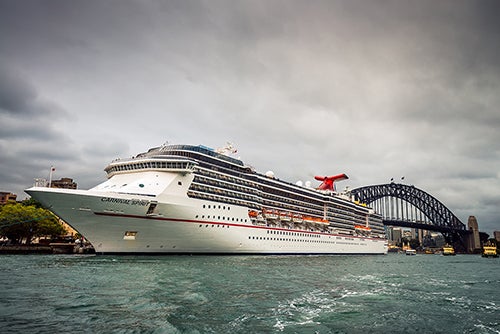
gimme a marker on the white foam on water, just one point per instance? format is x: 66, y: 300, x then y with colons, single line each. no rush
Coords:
x: 488, y: 329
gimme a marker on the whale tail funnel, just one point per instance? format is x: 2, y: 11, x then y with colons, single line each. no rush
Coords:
x: 329, y: 181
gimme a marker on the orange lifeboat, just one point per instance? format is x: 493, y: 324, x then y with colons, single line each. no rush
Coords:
x: 309, y: 220
x: 252, y: 214
x: 321, y: 221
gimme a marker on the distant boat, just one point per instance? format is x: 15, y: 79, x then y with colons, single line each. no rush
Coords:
x: 448, y: 250
x: 411, y: 252
x: 408, y: 250
x: 489, y: 250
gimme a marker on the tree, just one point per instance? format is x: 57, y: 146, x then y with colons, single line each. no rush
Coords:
x: 31, y: 201
x: 414, y: 243
x: 20, y: 222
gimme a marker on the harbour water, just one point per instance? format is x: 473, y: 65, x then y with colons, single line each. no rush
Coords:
x: 249, y: 294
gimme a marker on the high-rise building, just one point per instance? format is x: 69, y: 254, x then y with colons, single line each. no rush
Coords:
x: 496, y: 235
x: 395, y: 234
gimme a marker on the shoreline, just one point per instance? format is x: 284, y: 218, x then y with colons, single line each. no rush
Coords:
x: 52, y: 248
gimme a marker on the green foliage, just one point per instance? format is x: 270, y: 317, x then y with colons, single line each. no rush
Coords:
x: 24, y: 222
x: 33, y: 202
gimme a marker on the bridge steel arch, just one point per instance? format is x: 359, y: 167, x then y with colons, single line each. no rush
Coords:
x: 440, y: 216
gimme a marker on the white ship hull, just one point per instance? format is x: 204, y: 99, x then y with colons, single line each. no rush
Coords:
x: 121, y: 223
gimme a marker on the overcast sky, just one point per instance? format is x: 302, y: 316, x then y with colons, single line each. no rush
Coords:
x: 377, y: 89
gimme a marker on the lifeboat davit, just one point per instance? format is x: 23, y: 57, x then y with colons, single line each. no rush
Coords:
x: 328, y: 181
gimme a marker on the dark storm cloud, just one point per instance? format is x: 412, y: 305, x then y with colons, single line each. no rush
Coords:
x: 19, y: 98
x: 16, y: 95
x: 373, y: 88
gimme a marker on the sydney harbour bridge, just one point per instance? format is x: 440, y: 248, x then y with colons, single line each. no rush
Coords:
x: 407, y: 206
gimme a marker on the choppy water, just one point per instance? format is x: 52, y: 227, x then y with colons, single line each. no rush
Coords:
x: 249, y: 294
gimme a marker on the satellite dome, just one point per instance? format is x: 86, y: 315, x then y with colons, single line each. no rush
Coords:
x: 308, y: 184
x: 270, y: 174
x: 299, y: 183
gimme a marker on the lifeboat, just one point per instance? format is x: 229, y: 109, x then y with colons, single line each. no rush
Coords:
x: 308, y: 220
x: 270, y: 214
x: 297, y: 218
x: 321, y: 221
x: 252, y: 214
x: 285, y: 216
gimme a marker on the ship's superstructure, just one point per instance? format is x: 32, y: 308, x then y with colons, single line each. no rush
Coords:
x: 192, y: 199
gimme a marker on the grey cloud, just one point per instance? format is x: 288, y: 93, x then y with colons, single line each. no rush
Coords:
x: 19, y: 98
x: 375, y: 89
x: 16, y: 95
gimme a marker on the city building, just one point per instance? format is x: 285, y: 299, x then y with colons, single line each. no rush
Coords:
x: 65, y: 182
x: 496, y: 235
x: 395, y: 235
x: 6, y: 197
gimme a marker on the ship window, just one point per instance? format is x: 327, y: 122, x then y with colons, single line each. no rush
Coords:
x: 141, y: 185
x: 151, y: 208
x: 129, y: 235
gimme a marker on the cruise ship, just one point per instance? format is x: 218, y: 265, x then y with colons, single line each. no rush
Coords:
x: 185, y: 199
